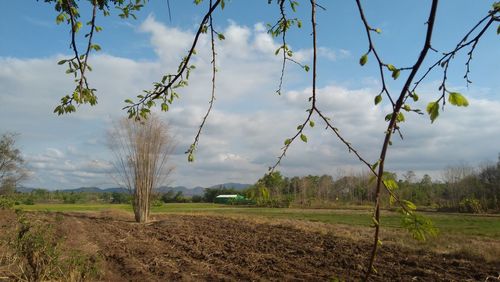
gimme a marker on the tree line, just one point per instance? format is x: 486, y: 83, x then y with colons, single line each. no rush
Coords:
x: 461, y: 188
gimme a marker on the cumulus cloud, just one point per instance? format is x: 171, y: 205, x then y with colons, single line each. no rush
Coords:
x: 247, y: 127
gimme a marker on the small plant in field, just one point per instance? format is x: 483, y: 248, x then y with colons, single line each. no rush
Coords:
x: 81, y: 267
x: 36, y: 251
x: 6, y: 203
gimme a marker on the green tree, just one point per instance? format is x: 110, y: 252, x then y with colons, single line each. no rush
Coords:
x: 12, y: 169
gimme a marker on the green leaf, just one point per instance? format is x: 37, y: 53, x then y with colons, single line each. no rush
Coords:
x: 378, y: 30
x: 414, y: 96
x: 129, y: 101
x: 288, y: 141
x: 498, y: 29
x: 221, y: 36
x: 378, y: 99
x: 457, y: 99
x: 311, y: 123
x: 391, y: 67
x: 306, y: 67
x: 303, y: 137
x: 390, y: 184
x: 77, y: 26
x: 95, y: 47
x: 60, y: 18
x: 363, y: 59
x: 299, y: 127
x: 395, y: 74
x: 164, y: 107
x: 433, y: 110
x: 400, y: 117
x: 62, y: 62
x: 190, y: 157
x: 409, y: 205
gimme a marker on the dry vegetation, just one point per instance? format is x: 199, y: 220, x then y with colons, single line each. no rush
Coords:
x: 228, y: 248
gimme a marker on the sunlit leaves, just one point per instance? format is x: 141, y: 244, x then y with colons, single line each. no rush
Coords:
x: 457, y: 99
x: 433, y: 110
x: 391, y: 67
x: 293, y: 5
x: 419, y: 226
x: 496, y: 6
x: 395, y: 74
x: 363, y: 59
x: 96, y: 47
x: 414, y: 96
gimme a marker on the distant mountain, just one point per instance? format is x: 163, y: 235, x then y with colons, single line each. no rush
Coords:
x: 200, y: 190
x: 24, y: 189
x: 237, y: 186
x: 117, y: 190
x: 164, y: 189
x: 84, y: 190
x: 185, y: 191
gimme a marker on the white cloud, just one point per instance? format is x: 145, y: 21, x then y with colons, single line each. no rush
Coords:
x: 247, y: 127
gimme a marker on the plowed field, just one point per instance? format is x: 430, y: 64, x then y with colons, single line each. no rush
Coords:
x: 216, y: 248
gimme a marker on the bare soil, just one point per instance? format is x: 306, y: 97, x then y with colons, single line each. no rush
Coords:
x: 215, y: 248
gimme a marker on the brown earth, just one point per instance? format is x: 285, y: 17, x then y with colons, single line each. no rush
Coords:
x: 215, y: 248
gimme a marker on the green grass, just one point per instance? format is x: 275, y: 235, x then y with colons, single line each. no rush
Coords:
x: 474, y: 225
x: 74, y: 207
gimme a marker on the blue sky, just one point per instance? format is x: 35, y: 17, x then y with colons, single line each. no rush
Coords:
x: 249, y: 123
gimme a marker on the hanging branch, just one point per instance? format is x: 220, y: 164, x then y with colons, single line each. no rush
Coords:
x: 166, y: 88
x: 194, y: 145
x: 281, y: 27
x: 314, y: 109
x: 447, y: 57
x: 392, y: 124
x: 78, y: 64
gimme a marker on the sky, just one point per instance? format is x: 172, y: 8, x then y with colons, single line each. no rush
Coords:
x: 246, y: 129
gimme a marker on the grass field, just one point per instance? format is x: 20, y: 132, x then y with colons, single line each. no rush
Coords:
x: 448, y: 223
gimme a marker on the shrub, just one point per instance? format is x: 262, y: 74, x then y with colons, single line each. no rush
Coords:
x: 156, y: 203
x: 196, y: 199
x: 28, y: 201
x: 470, y: 205
x: 6, y: 203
